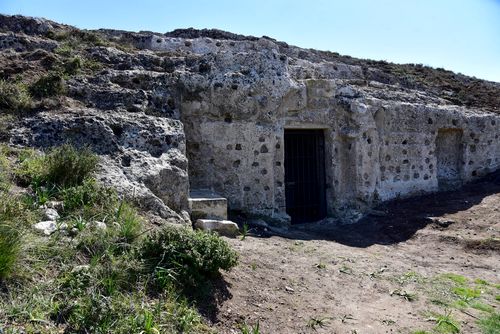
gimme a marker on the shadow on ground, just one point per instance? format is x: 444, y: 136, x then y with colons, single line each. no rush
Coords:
x: 400, y: 219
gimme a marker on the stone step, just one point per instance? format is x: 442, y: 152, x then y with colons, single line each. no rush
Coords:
x: 205, y: 204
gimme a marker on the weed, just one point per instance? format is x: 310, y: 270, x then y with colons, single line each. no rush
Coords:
x: 10, y: 243
x: 491, y: 324
x: 64, y: 50
x: 445, y: 323
x: 244, y: 231
x: 78, y: 222
x: 481, y: 281
x: 246, y: 329
x: 409, y: 296
x: 345, y: 269
x: 148, y: 323
x: 410, y: 277
x: 467, y: 294
x: 483, y: 307
x: 459, y: 279
x: 129, y: 221
x: 497, y: 298
x: 320, y: 265
x: 313, y: 323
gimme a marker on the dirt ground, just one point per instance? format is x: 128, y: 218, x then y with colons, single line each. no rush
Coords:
x: 386, y: 274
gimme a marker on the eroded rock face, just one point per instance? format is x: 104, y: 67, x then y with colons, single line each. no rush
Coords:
x: 143, y: 157
x: 216, y: 106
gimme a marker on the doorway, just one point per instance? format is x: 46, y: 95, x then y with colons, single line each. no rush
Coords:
x: 305, y: 175
x: 449, y: 156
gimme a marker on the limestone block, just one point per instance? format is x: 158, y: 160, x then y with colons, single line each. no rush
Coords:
x: 206, y: 204
x: 225, y: 228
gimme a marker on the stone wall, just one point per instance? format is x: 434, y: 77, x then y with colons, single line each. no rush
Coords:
x: 375, y: 150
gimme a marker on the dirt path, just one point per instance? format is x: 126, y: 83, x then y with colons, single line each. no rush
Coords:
x: 364, y: 278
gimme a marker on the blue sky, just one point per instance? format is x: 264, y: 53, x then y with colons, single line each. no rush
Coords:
x: 460, y: 35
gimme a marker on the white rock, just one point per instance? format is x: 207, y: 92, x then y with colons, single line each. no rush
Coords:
x: 222, y: 227
x: 56, y: 205
x: 98, y: 225
x: 48, y: 227
x: 50, y: 214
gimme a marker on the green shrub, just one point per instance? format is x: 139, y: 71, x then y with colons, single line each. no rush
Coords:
x: 188, y: 258
x: 10, y: 242
x: 14, y: 97
x: 68, y: 166
x: 73, y: 66
x: 88, y: 194
x: 64, y: 166
x: 48, y: 85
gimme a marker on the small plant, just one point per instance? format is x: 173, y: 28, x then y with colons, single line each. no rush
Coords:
x: 345, y: 269
x: 48, y: 85
x: 320, y: 265
x: 459, y: 279
x: 246, y: 329
x: 467, y: 294
x: 445, y: 323
x: 244, y: 231
x: 483, y: 307
x: 79, y: 223
x: 10, y: 243
x: 313, y: 323
x: 409, y: 296
x: 129, y: 221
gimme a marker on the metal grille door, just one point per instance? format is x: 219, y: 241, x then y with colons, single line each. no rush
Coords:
x: 305, y: 175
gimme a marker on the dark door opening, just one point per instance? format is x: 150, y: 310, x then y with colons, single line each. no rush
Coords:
x: 305, y: 175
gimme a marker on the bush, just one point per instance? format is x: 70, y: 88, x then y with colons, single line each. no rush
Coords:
x: 73, y: 66
x: 48, y: 85
x: 188, y: 258
x: 14, y: 97
x: 10, y: 241
x: 68, y: 166
x: 88, y: 194
x: 63, y: 167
